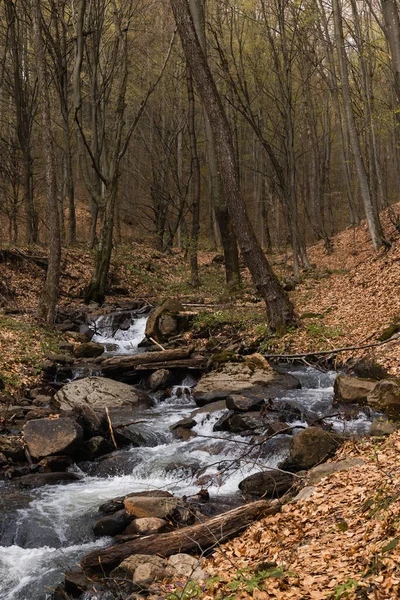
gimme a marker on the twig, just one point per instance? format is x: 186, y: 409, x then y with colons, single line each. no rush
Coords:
x: 111, y: 428
x: 327, y: 352
x: 156, y: 343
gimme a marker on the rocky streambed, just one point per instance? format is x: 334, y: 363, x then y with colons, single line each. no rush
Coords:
x: 199, y: 441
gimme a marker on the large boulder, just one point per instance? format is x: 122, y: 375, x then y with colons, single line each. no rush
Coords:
x: 385, y: 397
x: 99, y: 393
x: 310, y: 447
x: 352, y: 389
x: 45, y: 437
x: 267, y: 484
x: 166, y: 320
x: 250, y: 379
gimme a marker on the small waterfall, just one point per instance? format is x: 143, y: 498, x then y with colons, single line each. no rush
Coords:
x: 119, y: 335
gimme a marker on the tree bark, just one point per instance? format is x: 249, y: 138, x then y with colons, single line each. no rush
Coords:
x: 48, y: 300
x: 371, y: 213
x: 392, y: 22
x: 229, y: 244
x: 280, y: 310
x: 195, y: 183
x: 194, y: 538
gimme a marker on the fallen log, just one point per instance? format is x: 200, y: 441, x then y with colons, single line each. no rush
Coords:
x: 127, y: 363
x: 17, y: 255
x: 196, y: 362
x: 195, y: 538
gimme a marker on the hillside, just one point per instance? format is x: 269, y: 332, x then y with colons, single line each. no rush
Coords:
x: 347, y: 299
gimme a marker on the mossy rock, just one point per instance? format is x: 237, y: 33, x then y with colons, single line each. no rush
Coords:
x: 311, y: 315
x: 389, y: 331
x: 225, y: 356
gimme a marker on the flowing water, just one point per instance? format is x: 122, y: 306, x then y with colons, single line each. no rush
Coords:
x: 46, y: 531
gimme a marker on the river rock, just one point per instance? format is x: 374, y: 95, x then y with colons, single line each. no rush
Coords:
x: 366, y: 368
x: 246, y: 379
x: 146, y: 526
x: 187, y: 423
x: 88, y: 350
x: 11, y: 446
x: 45, y: 437
x: 381, y: 428
x: 99, y: 393
x: 184, y: 565
x: 238, y: 423
x: 95, y: 447
x: 111, y: 525
x: 184, y: 434
x: 61, y: 359
x: 147, y: 506
x: 35, y: 480
x: 316, y: 474
x: 158, y: 379
x: 55, y: 464
x: 309, y: 447
x: 128, y: 566
x: 163, y: 321
x: 240, y: 403
x: 115, y: 504
x: 93, y: 422
x: 76, y: 583
x: 267, y: 484
x: 146, y: 573
x: 44, y: 390
x: 3, y: 460
x: 385, y: 397
x: 276, y: 427
x: 352, y: 389
x: 38, y: 413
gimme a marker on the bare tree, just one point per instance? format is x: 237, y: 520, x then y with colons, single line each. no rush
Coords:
x: 279, y: 309
x: 48, y: 300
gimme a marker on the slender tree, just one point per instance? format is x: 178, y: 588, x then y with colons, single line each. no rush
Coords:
x: 48, y: 300
x: 279, y: 308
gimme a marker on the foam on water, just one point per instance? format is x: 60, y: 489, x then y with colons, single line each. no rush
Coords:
x: 33, y: 572
x: 122, y: 341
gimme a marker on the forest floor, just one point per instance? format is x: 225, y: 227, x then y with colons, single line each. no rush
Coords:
x: 342, y: 542
x: 347, y: 299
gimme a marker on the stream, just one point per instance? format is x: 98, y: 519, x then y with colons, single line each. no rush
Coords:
x: 46, y: 531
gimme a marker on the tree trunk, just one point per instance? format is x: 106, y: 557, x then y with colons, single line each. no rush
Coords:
x: 48, y: 300
x: 195, y: 184
x: 232, y: 270
x: 279, y: 308
x: 392, y: 22
x: 371, y: 213
x: 97, y: 287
